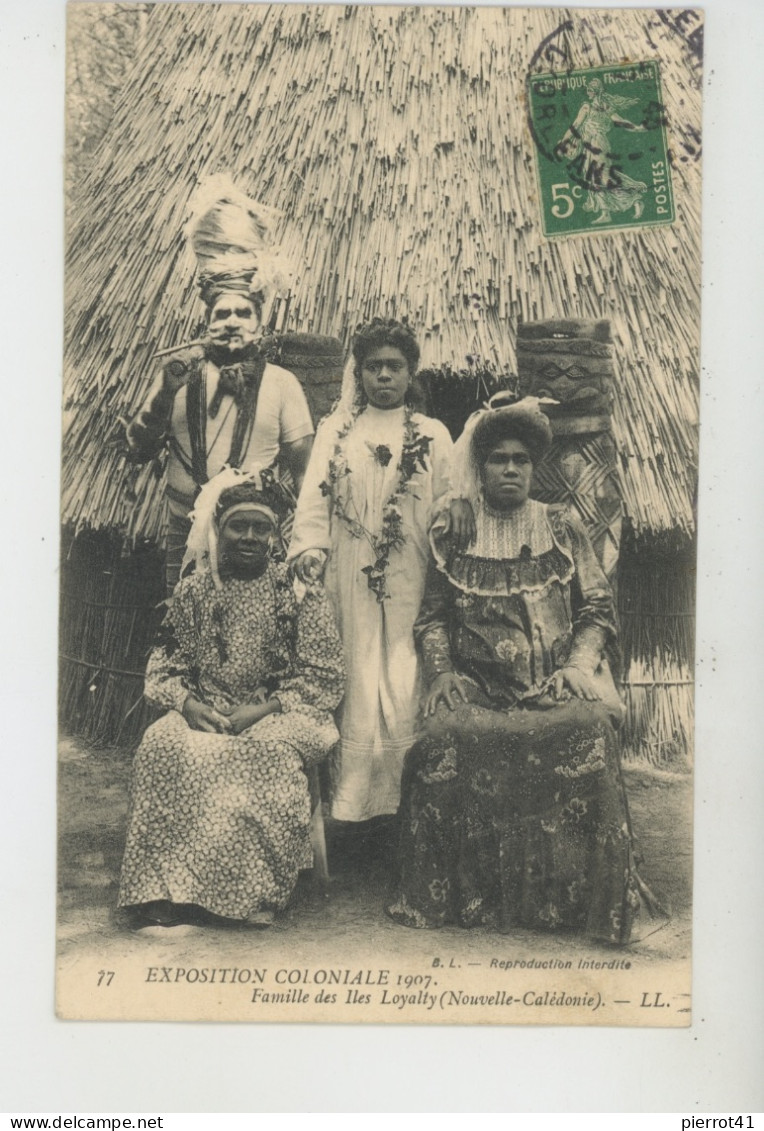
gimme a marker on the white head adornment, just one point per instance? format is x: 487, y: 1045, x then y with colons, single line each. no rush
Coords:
x: 202, y: 545
x: 233, y: 240
x: 526, y: 414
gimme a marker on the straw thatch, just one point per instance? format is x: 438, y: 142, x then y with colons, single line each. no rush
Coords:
x: 394, y: 142
x: 395, y: 145
x: 656, y: 599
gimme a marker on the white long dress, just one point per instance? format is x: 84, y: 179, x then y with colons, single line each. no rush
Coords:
x: 378, y: 717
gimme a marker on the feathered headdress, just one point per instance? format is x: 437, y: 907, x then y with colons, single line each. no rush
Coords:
x: 232, y: 238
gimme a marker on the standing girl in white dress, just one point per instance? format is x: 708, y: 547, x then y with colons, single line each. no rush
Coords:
x: 376, y: 471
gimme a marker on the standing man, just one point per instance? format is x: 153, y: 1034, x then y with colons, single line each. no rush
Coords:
x: 220, y: 402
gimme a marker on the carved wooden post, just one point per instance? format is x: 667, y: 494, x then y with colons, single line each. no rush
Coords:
x: 571, y: 362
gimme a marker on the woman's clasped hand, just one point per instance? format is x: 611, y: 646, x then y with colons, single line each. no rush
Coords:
x: 513, y: 809
x: 249, y: 679
x: 229, y: 720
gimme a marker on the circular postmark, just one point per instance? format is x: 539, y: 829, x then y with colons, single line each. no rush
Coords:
x: 600, y: 139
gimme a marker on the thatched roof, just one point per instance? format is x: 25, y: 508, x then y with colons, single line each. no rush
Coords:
x: 394, y: 142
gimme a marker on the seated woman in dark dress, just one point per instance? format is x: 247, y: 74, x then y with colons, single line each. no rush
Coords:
x: 513, y: 808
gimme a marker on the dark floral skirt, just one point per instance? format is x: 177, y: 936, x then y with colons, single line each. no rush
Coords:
x: 517, y: 818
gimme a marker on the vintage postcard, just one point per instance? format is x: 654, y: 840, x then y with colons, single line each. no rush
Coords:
x: 378, y: 514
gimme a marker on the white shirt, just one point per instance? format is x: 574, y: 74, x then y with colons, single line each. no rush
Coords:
x: 282, y: 417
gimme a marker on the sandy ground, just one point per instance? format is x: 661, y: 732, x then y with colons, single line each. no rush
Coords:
x: 348, y: 917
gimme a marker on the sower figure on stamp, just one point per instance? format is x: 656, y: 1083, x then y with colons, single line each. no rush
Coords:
x: 218, y: 402
x: 586, y: 142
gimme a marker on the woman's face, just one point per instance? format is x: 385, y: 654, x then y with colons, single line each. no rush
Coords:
x: 506, y: 475
x: 244, y: 540
x: 385, y: 377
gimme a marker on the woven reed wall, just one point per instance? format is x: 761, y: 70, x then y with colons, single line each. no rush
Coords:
x: 111, y: 605
x: 656, y: 607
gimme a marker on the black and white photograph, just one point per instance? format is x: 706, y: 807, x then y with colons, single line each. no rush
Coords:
x: 378, y: 514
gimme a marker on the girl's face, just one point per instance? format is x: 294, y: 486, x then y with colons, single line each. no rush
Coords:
x: 385, y: 377
x: 506, y: 475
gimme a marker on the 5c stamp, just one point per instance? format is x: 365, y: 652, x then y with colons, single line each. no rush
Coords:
x: 601, y: 150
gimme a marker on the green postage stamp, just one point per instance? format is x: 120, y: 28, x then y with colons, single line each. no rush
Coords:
x: 601, y: 151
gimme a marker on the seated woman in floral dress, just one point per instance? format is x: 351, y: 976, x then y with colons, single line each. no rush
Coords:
x: 513, y: 809
x: 220, y: 810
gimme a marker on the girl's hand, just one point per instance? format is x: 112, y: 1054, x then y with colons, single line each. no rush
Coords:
x: 309, y: 566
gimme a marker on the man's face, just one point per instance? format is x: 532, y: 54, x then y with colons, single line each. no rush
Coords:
x: 233, y: 322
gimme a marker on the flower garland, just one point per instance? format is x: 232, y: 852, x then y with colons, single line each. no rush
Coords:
x: 414, y: 454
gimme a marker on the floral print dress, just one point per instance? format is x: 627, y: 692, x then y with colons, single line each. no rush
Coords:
x: 222, y: 821
x: 513, y: 808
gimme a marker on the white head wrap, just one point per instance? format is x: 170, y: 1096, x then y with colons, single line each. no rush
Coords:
x: 465, y: 475
x: 232, y: 238
x: 350, y: 393
x: 202, y: 545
